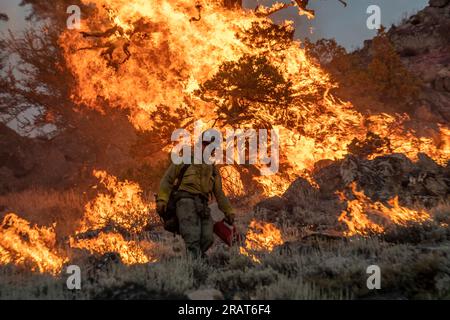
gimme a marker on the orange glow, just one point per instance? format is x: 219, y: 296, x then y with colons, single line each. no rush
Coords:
x: 155, y: 58
x: 358, y: 211
x: 130, y: 252
x: 122, y: 206
x: 29, y: 246
x: 166, y: 68
x: 261, y: 237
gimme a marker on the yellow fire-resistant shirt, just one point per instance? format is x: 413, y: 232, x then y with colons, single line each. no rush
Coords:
x: 198, y: 179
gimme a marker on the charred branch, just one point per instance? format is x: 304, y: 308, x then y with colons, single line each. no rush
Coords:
x: 199, y: 7
x: 107, y: 33
x: 262, y: 11
x: 123, y: 40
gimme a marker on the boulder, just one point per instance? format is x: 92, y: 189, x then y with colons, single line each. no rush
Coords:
x: 422, y: 182
x: 439, y: 3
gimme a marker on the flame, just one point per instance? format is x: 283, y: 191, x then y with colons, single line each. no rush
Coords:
x: 165, y: 69
x: 29, y: 246
x: 130, y: 252
x: 328, y: 135
x: 153, y: 57
x: 167, y: 66
x: 356, y: 216
x: 261, y: 237
x: 123, y: 206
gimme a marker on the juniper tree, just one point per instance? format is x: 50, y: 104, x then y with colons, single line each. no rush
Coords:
x: 248, y: 90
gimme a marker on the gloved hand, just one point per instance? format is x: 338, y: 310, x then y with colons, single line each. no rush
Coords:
x: 229, y: 219
x: 161, y: 207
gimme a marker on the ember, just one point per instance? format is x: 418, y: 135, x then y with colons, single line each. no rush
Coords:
x: 261, y: 237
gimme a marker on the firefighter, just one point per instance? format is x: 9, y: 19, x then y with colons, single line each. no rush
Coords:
x: 197, y: 184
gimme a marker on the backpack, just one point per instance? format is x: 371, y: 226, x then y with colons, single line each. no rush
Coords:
x: 169, y: 217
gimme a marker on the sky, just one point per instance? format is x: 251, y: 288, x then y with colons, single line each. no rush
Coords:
x: 15, y: 13
x: 345, y: 24
x: 333, y: 20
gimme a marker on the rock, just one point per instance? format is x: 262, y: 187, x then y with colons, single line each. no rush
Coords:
x: 423, y: 183
x: 274, y: 204
x: 299, y: 189
x: 425, y: 112
x: 422, y: 43
x: 329, y: 178
x: 415, y: 20
x: 205, y: 294
x: 427, y: 164
x: 447, y: 83
x: 7, y: 180
x: 439, y: 3
x: 436, y: 186
x: 349, y: 169
x: 439, y: 84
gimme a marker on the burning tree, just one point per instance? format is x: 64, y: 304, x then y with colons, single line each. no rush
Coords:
x: 241, y: 89
x: 139, y: 69
x: 37, y: 93
x: 229, y: 68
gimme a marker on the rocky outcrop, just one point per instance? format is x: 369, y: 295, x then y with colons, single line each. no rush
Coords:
x: 439, y: 3
x: 423, y: 43
x: 422, y: 183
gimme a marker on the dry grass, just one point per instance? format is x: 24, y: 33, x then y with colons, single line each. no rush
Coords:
x: 313, y: 269
x: 45, y: 207
x: 414, y: 263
